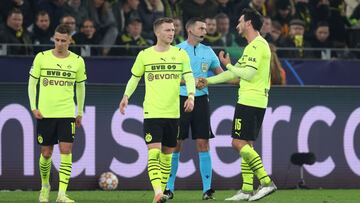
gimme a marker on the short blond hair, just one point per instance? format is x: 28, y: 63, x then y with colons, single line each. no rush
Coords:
x: 161, y: 21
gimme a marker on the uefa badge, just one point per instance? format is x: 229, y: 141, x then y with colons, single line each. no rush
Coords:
x: 204, y: 67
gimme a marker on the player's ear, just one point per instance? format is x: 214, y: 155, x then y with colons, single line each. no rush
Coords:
x: 156, y: 31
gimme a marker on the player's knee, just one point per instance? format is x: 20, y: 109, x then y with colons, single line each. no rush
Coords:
x: 46, y: 154
x: 178, y: 147
x: 233, y: 144
x: 236, y: 145
x: 65, y: 151
x: 65, y: 148
x: 202, y: 146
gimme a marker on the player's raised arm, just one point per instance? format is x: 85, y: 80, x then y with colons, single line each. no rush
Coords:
x: 247, y: 65
x: 220, y: 78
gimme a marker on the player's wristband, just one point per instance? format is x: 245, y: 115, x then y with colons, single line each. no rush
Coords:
x: 190, y: 96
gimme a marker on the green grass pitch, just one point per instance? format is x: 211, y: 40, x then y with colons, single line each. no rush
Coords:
x: 280, y: 196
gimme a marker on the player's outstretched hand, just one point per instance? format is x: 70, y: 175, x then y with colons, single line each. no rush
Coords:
x: 37, y: 114
x: 224, y: 58
x: 189, y: 104
x: 202, y: 82
x: 78, y: 120
x: 123, y: 104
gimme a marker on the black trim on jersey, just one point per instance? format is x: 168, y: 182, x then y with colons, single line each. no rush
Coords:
x: 160, y: 63
x: 251, y: 67
x: 187, y: 72
x: 163, y: 71
x: 80, y: 81
x: 179, y: 49
x: 51, y: 76
x: 33, y: 76
x: 135, y: 75
x: 59, y: 70
x: 42, y: 53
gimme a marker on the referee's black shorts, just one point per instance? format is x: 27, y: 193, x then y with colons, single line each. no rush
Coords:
x: 198, y: 119
x: 247, y: 122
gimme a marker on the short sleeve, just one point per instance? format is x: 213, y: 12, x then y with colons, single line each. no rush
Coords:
x: 81, y: 72
x: 215, y: 63
x: 138, y: 68
x: 251, y: 56
x: 36, y: 66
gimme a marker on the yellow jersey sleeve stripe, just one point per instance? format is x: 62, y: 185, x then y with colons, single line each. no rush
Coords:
x: 135, y: 75
x: 33, y: 76
x: 251, y: 67
x: 80, y: 81
x: 187, y: 72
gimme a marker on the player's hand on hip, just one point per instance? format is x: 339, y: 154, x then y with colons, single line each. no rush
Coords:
x: 78, y: 120
x: 189, y: 104
x: 224, y: 58
x: 37, y: 114
x: 123, y: 104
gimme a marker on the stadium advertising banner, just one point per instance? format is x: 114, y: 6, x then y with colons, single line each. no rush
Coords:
x: 117, y: 70
x: 322, y: 120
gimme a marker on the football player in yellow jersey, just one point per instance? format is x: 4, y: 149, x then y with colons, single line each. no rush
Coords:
x: 58, y: 70
x: 163, y: 67
x: 253, y: 69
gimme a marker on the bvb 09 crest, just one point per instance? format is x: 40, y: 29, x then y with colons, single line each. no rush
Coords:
x: 148, y: 137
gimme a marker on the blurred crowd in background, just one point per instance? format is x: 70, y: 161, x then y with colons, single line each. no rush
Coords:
x: 295, y: 28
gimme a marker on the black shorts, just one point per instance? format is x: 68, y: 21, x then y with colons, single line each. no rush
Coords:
x: 163, y: 130
x: 51, y: 131
x: 247, y: 122
x: 198, y: 119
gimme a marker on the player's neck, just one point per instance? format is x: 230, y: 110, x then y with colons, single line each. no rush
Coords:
x: 60, y: 54
x: 161, y: 47
x: 251, y: 35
